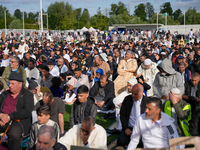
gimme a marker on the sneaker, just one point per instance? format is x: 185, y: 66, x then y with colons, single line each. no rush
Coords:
x: 71, y: 100
x: 66, y: 97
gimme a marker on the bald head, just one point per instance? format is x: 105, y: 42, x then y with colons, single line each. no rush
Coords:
x: 137, y: 92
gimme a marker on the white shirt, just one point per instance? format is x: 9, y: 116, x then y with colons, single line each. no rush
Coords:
x: 34, y: 73
x: 66, y: 56
x: 154, y: 135
x: 135, y: 112
x: 5, y: 62
x: 54, y: 72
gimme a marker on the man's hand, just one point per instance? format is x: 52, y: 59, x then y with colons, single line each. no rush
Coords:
x: 120, y: 105
x: 128, y: 132
x: 197, y: 99
x: 173, y: 98
x: 84, y: 137
x: 4, y: 117
x: 43, y: 78
x: 70, y: 87
x: 100, y: 104
x: 38, y: 90
x: 185, y: 97
x: 2, y: 124
x: 140, y: 81
x: 165, y: 97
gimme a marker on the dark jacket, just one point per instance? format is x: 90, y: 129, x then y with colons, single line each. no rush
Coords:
x: 81, y: 110
x: 126, y: 108
x: 108, y: 89
x: 24, y: 107
x: 195, y: 123
x: 188, y: 86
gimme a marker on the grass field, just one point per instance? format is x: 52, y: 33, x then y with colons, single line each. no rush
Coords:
x: 103, y: 122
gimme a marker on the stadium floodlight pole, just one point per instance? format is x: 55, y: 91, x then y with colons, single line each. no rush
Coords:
x: 184, y: 22
x: 157, y: 22
x: 5, y: 24
x: 47, y: 22
x: 23, y: 26
x: 41, y: 17
x: 166, y: 20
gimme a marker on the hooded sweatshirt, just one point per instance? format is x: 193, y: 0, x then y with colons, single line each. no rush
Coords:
x: 163, y: 83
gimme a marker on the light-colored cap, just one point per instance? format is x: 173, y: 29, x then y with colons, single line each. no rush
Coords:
x: 132, y: 81
x: 16, y: 50
x: 22, y: 41
x: 5, y: 52
x: 162, y: 53
x: 147, y: 61
x: 176, y: 91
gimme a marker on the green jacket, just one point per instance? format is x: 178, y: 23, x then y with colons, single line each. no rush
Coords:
x: 183, y: 112
x: 6, y: 75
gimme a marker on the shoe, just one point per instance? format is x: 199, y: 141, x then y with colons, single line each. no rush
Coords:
x: 113, y: 131
x: 105, y: 116
x: 66, y: 97
x: 112, y: 116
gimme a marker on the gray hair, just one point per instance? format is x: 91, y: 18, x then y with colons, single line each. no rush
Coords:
x: 100, y: 58
x: 16, y: 59
x: 47, y: 129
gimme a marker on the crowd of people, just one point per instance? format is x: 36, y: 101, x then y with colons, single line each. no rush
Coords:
x: 150, y: 81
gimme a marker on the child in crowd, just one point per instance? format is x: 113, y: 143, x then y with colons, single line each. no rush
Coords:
x: 55, y: 88
x: 43, y: 113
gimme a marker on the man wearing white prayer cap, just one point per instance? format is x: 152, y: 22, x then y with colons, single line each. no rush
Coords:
x: 120, y: 98
x: 180, y: 110
x: 22, y: 47
x: 148, y: 70
x: 6, y: 60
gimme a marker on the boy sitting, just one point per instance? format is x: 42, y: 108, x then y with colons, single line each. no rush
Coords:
x: 43, y: 113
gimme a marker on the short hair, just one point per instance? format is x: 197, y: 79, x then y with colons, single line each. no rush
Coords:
x: 156, y: 101
x: 56, y: 82
x: 31, y: 60
x: 16, y: 59
x: 182, y: 64
x: 45, y: 68
x: 82, y: 89
x: 49, y: 95
x: 43, y: 109
x: 104, y: 77
x: 50, y: 63
x: 89, y: 120
x: 47, y: 129
x: 195, y: 75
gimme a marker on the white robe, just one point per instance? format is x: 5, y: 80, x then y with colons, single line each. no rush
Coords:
x: 97, y: 139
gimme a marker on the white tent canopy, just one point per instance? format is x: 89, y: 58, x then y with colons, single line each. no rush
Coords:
x: 92, y: 29
x: 84, y: 29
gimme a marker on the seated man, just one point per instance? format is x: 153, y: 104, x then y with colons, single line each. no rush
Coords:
x: 185, y: 73
x: 43, y: 115
x: 192, y: 93
x: 131, y: 104
x: 103, y: 92
x: 99, y: 63
x: 16, y: 107
x: 84, y: 106
x: 180, y: 110
x: 167, y: 79
x: 155, y: 127
x: 77, y: 80
x: 57, y: 107
x: 6, y: 60
x: 87, y: 134
x: 61, y: 67
x: 52, y: 70
x: 14, y: 67
x: 120, y: 98
x: 46, y: 139
x: 46, y: 77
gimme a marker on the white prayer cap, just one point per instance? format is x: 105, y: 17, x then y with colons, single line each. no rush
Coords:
x: 162, y: 53
x: 176, y: 91
x: 22, y: 40
x: 132, y: 81
x: 147, y: 61
x: 16, y: 50
x: 5, y: 52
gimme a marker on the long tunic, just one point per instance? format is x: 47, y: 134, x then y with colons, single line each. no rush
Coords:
x: 126, y: 70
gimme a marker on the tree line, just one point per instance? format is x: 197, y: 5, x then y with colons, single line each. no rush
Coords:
x: 62, y: 16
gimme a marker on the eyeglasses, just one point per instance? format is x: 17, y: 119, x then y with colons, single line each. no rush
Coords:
x: 85, y: 131
x: 12, y: 61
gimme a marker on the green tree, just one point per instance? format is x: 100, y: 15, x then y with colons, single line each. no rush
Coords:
x: 140, y: 11
x: 31, y: 16
x: 18, y: 14
x: 177, y: 13
x: 15, y: 24
x: 117, y: 9
x: 149, y: 10
x: 166, y: 7
x: 161, y: 20
x: 85, y: 18
x: 114, y: 9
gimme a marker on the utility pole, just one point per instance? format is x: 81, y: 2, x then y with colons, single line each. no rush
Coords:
x: 23, y: 26
x: 41, y: 17
x: 157, y: 22
x: 5, y: 24
x: 184, y: 22
x: 166, y: 20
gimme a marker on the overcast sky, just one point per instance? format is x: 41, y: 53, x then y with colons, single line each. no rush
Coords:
x: 92, y: 5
